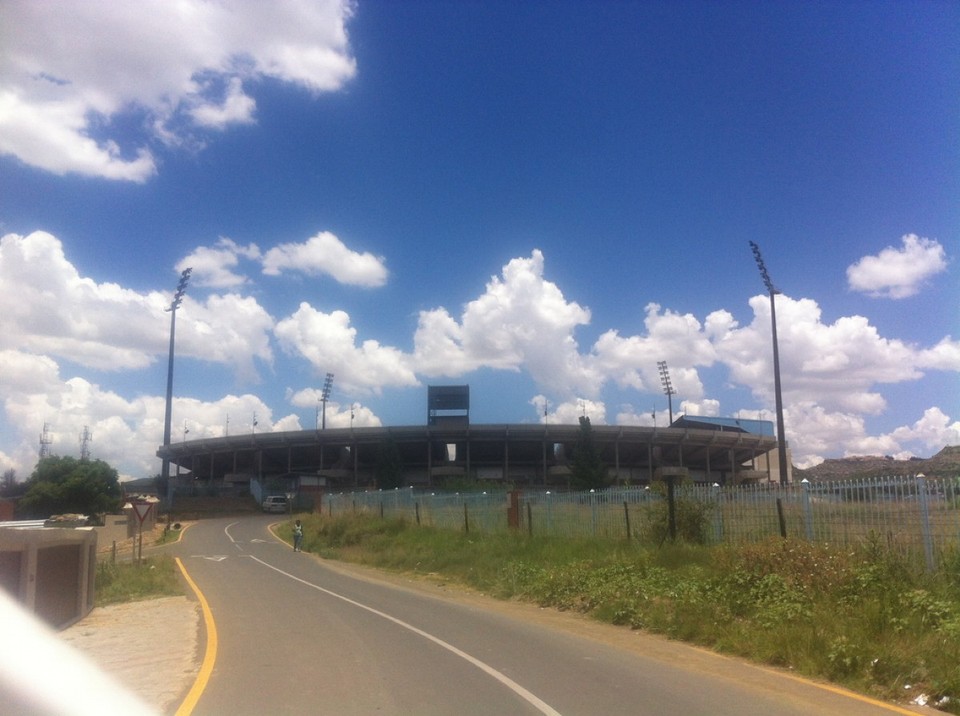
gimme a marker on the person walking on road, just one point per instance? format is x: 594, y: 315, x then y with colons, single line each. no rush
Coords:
x: 297, y: 536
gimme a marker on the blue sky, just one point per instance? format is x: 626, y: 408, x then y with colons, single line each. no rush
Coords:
x: 541, y: 200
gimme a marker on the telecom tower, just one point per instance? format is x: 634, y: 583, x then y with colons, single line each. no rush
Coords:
x: 45, y: 441
x: 85, y: 439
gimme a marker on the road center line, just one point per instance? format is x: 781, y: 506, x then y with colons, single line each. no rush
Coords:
x: 226, y: 531
x: 523, y: 693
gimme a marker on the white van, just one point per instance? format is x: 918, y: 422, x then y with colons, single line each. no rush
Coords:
x: 275, y: 503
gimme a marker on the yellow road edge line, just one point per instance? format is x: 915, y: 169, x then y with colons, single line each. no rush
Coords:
x: 840, y: 690
x: 896, y: 708
x: 209, y: 658
x: 273, y: 531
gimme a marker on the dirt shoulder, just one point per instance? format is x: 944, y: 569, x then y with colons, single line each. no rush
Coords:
x: 151, y: 647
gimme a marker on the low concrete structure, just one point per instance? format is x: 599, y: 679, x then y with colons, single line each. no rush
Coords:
x: 51, y: 571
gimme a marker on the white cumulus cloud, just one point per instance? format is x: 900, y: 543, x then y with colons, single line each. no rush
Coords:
x: 325, y: 254
x: 214, y: 266
x: 520, y: 321
x: 836, y: 364
x: 934, y: 430
x: 69, y: 69
x: 50, y: 309
x: 329, y: 343
x: 678, y: 339
x: 898, y: 272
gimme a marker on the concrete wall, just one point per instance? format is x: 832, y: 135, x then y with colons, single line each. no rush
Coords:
x: 51, y: 571
x: 116, y: 528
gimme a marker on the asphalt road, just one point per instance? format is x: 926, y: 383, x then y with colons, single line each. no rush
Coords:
x: 297, y: 635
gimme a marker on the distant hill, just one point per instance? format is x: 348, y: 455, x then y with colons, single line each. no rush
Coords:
x: 945, y: 463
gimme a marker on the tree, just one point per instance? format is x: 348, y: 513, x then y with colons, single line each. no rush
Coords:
x: 8, y: 484
x: 587, y: 471
x: 62, y: 485
x: 389, y: 467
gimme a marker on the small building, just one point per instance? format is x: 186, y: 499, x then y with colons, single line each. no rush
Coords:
x: 50, y: 571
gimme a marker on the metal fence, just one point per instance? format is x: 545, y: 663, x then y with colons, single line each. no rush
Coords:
x: 915, y: 516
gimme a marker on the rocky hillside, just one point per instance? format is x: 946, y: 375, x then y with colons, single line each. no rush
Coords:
x: 945, y: 463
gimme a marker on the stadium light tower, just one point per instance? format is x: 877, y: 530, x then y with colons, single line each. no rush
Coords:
x: 324, y: 397
x: 667, y: 386
x: 174, y: 305
x: 773, y: 291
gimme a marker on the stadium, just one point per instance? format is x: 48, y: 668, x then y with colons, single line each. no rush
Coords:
x: 448, y: 449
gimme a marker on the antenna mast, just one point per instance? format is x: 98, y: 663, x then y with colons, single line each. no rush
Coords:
x: 45, y: 441
x: 85, y: 439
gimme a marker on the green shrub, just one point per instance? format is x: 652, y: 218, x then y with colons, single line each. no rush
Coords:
x: 692, y: 518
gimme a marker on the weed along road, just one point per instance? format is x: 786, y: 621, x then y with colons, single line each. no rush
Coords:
x: 298, y: 635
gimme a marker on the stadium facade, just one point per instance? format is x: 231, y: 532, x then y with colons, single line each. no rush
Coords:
x: 450, y: 449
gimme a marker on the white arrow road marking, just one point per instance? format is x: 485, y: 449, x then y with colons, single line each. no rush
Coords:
x: 211, y: 557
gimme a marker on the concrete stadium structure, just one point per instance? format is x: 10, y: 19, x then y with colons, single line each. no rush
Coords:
x: 721, y: 450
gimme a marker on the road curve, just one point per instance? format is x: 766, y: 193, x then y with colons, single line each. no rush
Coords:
x: 298, y: 635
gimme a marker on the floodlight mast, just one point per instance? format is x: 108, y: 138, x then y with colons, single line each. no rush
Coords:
x: 667, y: 386
x: 324, y: 397
x: 174, y: 305
x: 773, y: 291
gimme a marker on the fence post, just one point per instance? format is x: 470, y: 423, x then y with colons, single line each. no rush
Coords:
x: 466, y: 520
x: 626, y: 517
x: 807, y: 510
x: 925, y: 522
x: 513, y: 510
x: 529, y: 519
x: 781, y: 519
x: 416, y: 507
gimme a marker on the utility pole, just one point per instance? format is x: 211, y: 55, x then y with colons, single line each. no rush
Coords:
x: 324, y: 397
x: 667, y: 387
x: 773, y: 291
x: 174, y: 305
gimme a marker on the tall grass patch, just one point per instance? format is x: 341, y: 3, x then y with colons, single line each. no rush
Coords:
x: 127, y: 582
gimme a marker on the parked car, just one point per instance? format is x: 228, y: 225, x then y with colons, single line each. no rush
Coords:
x: 275, y: 503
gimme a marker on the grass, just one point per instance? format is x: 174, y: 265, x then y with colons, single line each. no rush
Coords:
x: 862, y: 617
x: 168, y: 536
x: 117, y: 583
